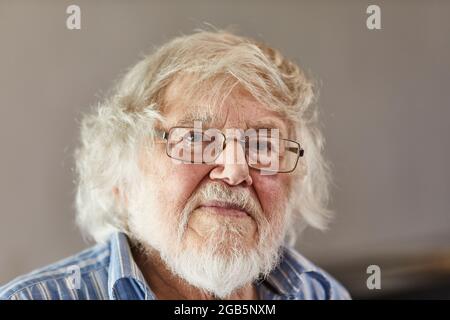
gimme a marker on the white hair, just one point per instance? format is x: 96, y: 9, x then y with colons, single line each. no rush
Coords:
x: 219, y: 61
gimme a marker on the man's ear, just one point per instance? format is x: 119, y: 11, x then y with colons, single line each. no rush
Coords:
x: 120, y: 196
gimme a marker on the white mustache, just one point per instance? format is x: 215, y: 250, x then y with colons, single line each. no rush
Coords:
x: 239, y: 197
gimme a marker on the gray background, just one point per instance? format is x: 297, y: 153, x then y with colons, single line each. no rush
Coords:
x: 384, y: 98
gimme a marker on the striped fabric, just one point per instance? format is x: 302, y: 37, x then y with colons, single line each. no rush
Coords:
x: 108, y: 271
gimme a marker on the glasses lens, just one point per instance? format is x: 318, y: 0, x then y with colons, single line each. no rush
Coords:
x: 272, y: 154
x: 194, y: 145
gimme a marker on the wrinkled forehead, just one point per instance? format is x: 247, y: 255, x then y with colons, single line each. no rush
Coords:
x: 235, y: 109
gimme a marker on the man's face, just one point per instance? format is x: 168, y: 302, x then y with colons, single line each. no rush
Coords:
x: 224, y: 216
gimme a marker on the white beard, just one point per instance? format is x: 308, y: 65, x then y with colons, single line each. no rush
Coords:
x: 206, y: 266
x: 218, y: 274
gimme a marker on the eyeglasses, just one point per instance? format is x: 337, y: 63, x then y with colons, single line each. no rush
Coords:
x: 263, y: 149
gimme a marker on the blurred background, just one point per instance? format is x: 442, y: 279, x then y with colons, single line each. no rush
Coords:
x: 385, y: 103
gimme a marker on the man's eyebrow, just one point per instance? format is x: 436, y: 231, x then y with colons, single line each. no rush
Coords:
x: 268, y: 123
x: 188, y: 120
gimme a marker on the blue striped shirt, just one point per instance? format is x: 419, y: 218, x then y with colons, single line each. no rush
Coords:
x: 108, y: 271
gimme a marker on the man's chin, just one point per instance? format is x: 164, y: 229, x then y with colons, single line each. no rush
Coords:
x: 223, y: 267
x: 218, y: 273
x: 220, y: 246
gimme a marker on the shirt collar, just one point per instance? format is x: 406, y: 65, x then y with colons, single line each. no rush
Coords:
x: 287, y: 278
x: 125, y: 279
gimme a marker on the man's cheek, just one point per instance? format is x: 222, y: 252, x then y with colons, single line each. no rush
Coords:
x: 273, y: 196
x: 270, y: 186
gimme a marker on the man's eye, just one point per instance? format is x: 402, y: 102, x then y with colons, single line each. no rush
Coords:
x: 193, y: 137
x: 257, y: 145
x: 263, y: 145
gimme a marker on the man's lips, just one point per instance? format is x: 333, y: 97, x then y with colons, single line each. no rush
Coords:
x: 224, y: 208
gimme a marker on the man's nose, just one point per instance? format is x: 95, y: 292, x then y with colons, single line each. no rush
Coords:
x: 231, y: 165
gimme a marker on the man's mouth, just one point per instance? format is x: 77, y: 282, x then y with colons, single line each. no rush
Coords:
x: 224, y: 209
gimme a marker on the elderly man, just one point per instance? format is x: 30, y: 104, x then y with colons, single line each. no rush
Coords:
x: 194, y: 177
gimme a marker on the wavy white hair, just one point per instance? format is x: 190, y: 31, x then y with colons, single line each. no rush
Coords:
x: 219, y: 60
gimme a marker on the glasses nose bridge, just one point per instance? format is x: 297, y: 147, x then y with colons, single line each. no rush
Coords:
x: 233, y: 136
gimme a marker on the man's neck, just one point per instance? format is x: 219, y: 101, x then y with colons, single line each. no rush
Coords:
x: 167, y: 286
